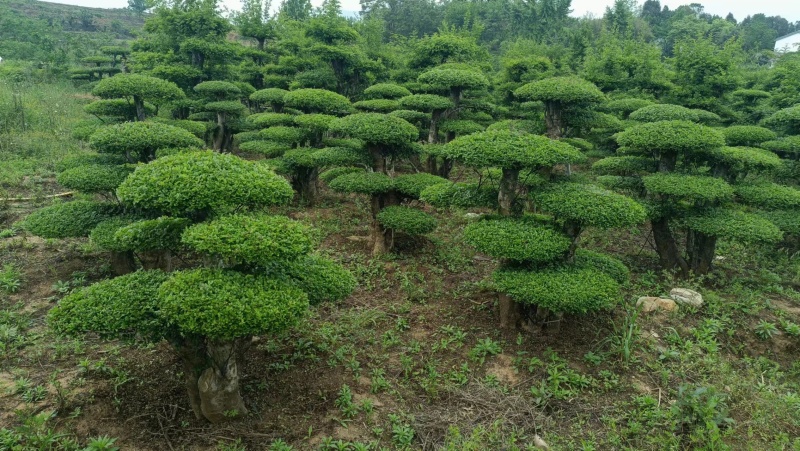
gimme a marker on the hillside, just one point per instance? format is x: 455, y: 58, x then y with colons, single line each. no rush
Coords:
x: 60, y: 34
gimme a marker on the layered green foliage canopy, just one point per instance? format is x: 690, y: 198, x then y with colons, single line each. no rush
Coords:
x: 507, y: 149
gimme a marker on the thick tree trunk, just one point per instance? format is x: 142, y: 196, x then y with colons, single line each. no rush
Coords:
x: 306, y: 186
x: 573, y: 231
x: 157, y: 260
x: 379, y: 237
x: 431, y: 164
x: 122, y: 263
x: 552, y: 118
x: 219, y: 138
x: 508, y: 191
x: 511, y: 312
x: 378, y: 160
x: 211, y: 374
x: 445, y: 168
x: 666, y: 247
x: 701, y: 249
x: 140, y: 112
x: 667, y: 162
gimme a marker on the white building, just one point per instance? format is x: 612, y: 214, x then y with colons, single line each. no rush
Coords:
x: 788, y: 43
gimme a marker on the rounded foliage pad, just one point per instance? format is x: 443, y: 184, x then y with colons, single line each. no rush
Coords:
x: 322, y: 279
x: 123, y: 307
x: 94, y: 178
x: 68, y: 219
x: 375, y: 129
x: 572, y: 90
x: 516, y: 239
x: 591, y: 206
x: 142, y: 138
x: 407, y: 219
x: 735, y: 225
x: 664, y: 112
x: 257, y: 240
x: 670, y: 136
x: 560, y: 289
x: 511, y: 150
x: 224, y: 305
x: 362, y: 183
x: 691, y: 187
x: 151, y: 234
x: 201, y: 181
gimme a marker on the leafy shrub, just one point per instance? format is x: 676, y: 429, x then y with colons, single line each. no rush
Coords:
x: 735, y: 225
x: 141, y: 139
x: 506, y: 149
x: 202, y: 181
x: 224, y: 305
x: 94, y: 178
x: 269, y: 149
x: 590, y: 205
x: 117, y: 308
x: 362, y: 183
x: 386, y: 91
x: 310, y: 100
x: 406, y: 219
x: 693, y: 187
x: 377, y: 105
x: 516, y: 240
x: 747, y: 135
x: 769, y: 195
x: 104, y: 235
x: 67, y: 219
x: 413, y: 184
x: 257, y: 240
x: 664, y: 112
x: 460, y: 195
x: 151, y: 234
x: 322, y: 279
x: 560, y: 289
x: 333, y: 173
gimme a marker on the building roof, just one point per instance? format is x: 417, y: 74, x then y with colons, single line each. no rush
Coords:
x: 788, y: 35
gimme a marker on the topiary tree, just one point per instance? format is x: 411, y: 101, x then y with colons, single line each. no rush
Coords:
x: 664, y: 112
x: 560, y: 95
x: 258, y: 275
x: 513, y: 152
x: 747, y: 135
x: 223, y: 100
x: 139, y: 141
x: 383, y: 137
x: 696, y: 206
x: 137, y: 89
x: 273, y: 97
x: 436, y: 106
x: 786, y: 121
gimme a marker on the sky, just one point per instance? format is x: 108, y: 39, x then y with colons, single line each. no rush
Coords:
x: 788, y: 9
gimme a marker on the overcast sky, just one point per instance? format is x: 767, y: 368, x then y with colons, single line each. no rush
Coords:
x: 789, y: 9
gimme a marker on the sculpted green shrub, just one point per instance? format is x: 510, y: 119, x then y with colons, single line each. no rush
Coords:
x: 769, y: 196
x: 123, y: 307
x: 257, y: 272
x: 386, y: 91
x: 94, y: 178
x: 460, y: 195
x: 312, y: 100
x: 568, y: 290
x: 151, y: 234
x: 272, y: 97
x: 735, y: 225
x: 786, y: 120
x: 201, y: 182
x: 406, y: 219
x: 138, y: 89
x: 747, y: 135
x: 377, y: 105
x: 256, y: 240
x: 559, y: 94
x: 138, y: 141
x: 664, y: 112
x: 104, y: 234
x: 269, y: 149
x: 622, y: 108
x: 516, y: 240
x: 412, y: 185
x: 369, y: 183
x: 331, y: 174
x: 67, y: 219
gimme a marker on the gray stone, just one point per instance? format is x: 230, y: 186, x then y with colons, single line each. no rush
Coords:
x: 652, y: 304
x: 685, y: 296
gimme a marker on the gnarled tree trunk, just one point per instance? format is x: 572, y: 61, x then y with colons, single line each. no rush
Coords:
x: 552, y: 119
x: 666, y: 247
x: 508, y: 191
x: 122, y: 263
x: 305, y: 183
x: 138, y: 102
x: 211, y: 374
x: 700, y: 249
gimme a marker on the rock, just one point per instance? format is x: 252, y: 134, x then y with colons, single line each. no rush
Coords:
x: 652, y: 304
x: 687, y: 297
x: 472, y: 216
x: 358, y: 238
x: 539, y: 443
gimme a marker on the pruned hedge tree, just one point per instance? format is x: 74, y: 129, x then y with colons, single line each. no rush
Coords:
x: 542, y: 273
x: 222, y: 98
x: 258, y: 273
x: 137, y: 89
x: 561, y: 96
x: 689, y: 178
x: 386, y: 139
